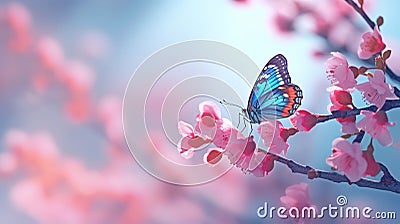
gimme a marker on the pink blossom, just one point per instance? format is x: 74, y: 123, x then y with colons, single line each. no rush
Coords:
x: 206, y: 121
x: 371, y: 44
x: 225, y: 133
x: 261, y: 164
x: 274, y: 136
x: 376, y: 91
x: 347, y: 158
x: 283, y: 19
x: 189, y: 141
x: 240, y: 152
x: 297, y: 196
x: 338, y: 71
x: 341, y: 97
x: 213, y: 156
x: 303, y: 120
x: 373, y: 167
x: 348, y: 123
x: 349, y: 126
x: 376, y: 124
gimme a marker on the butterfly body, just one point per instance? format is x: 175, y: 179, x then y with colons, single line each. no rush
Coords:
x: 273, y: 95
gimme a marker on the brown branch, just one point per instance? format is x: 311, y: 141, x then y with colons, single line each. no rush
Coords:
x: 387, y: 182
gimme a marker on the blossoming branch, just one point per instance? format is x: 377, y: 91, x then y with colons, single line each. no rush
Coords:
x: 351, y: 163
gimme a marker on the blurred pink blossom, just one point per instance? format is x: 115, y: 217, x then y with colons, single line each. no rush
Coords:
x: 297, y: 196
x: 45, y: 205
x: 79, y: 78
x: 78, y: 108
x: 52, y: 184
x: 8, y: 164
x: 376, y: 124
x: 217, y: 193
x: 18, y: 18
x: 303, y: 120
x: 338, y: 71
x: 36, y: 153
x: 376, y: 90
x: 50, y: 53
x: 371, y: 44
x: 178, y: 210
x: 109, y: 112
x: 348, y: 158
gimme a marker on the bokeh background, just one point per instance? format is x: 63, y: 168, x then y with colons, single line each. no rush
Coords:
x: 64, y: 66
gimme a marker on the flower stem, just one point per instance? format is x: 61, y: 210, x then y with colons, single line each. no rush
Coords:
x: 359, y: 136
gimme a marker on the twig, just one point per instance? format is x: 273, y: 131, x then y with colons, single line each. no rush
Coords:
x: 371, y: 24
x: 387, y: 182
x: 359, y: 136
x: 396, y: 92
x: 389, y: 104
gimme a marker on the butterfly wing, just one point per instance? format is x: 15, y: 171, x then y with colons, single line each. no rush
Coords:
x: 273, y: 95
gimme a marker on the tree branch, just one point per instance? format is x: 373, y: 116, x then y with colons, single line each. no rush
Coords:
x: 387, y: 182
x: 389, y: 104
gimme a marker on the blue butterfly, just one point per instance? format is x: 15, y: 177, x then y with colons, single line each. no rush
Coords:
x: 273, y: 95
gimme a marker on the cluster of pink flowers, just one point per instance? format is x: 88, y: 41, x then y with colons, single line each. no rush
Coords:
x: 338, y: 25
x: 240, y: 150
x: 75, y: 76
x: 349, y: 158
x: 230, y: 142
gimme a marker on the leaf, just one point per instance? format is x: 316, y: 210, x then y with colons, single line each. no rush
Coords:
x: 346, y: 136
x: 362, y: 70
x: 369, y: 74
x: 387, y: 54
x: 354, y: 70
x: 379, y: 21
x: 379, y: 63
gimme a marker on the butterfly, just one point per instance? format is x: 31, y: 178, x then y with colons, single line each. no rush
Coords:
x: 273, y: 95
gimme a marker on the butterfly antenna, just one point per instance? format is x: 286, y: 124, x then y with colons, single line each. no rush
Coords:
x: 223, y: 102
